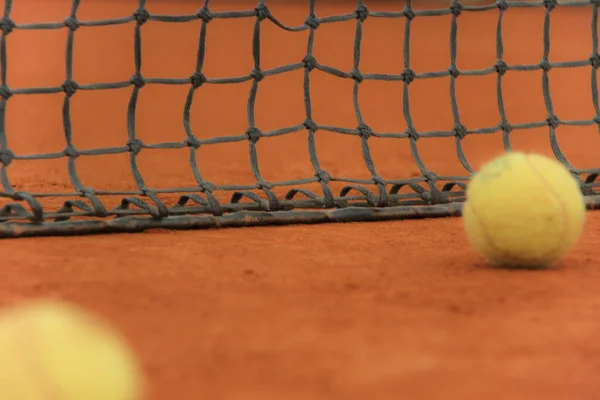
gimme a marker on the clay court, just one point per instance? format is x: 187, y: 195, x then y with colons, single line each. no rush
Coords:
x: 384, y: 310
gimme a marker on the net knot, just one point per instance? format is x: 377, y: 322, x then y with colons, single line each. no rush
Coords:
x: 550, y: 4
x: 205, y: 15
x: 362, y: 12
x: 408, y: 13
x: 141, y: 15
x: 309, y: 62
x: 69, y: 87
x: 506, y: 127
x: 262, y: 12
x: 545, y: 65
x: 138, y: 80
x: 192, y: 141
x: 206, y: 187
x: 595, y: 59
x: 264, y: 185
x: 453, y: 71
x: 408, y: 75
x: 379, y: 180
x: 412, y: 133
x: 253, y: 134
x: 7, y: 25
x: 147, y: 192
x: 323, y: 176
x: 430, y: 176
x: 311, y: 125
x: 257, y: 74
x: 553, y: 121
x: 502, y: 4
x: 71, y: 23
x: 6, y: 157
x: 197, y: 79
x: 456, y: 7
x: 87, y: 191
x: 597, y: 119
x: 135, y: 146
x: 356, y: 75
x: 364, y: 131
x: 501, y: 67
x: 312, y: 21
x: 460, y: 131
x: 71, y: 151
x: 5, y: 92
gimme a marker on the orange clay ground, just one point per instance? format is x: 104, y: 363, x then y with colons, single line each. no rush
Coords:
x: 395, y: 310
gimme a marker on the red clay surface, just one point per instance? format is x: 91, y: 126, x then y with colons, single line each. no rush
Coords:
x: 382, y: 310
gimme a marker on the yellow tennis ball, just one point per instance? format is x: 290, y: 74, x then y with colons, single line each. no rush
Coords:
x: 53, y: 350
x: 523, y: 210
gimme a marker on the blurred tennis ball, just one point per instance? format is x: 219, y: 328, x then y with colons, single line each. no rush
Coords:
x: 54, y: 350
x: 523, y: 210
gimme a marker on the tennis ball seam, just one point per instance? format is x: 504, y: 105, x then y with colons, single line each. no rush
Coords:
x: 489, y: 238
x: 557, y: 198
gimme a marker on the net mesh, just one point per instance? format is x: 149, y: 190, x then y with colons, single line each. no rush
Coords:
x: 85, y: 211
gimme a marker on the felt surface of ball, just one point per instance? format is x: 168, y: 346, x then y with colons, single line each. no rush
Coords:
x: 523, y: 210
x: 56, y: 351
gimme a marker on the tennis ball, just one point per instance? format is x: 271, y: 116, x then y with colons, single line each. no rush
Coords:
x: 53, y: 350
x: 523, y: 210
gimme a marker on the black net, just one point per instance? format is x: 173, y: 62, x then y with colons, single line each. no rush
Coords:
x: 83, y: 209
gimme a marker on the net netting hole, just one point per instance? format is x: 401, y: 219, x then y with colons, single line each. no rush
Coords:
x: 531, y: 140
x: 226, y: 163
x: 107, y: 172
x: 381, y: 105
x: 40, y: 56
x: 166, y: 168
x: 272, y: 53
x: 331, y: 100
x: 523, y: 43
x: 392, y: 158
x: 280, y: 101
x: 524, y: 89
x: 219, y: 110
x: 329, y: 49
x: 177, y: 43
x: 99, y: 118
x: 382, y: 44
x: 159, y: 113
x: 439, y: 155
x: 477, y: 100
x: 435, y: 32
x: 430, y: 105
x: 286, y: 157
x: 565, y: 30
x: 102, y: 54
x: 569, y: 139
x: 578, y: 105
x: 41, y: 132
x: 476, y: 31
x: 228, y: 50
x: 338, y: 155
